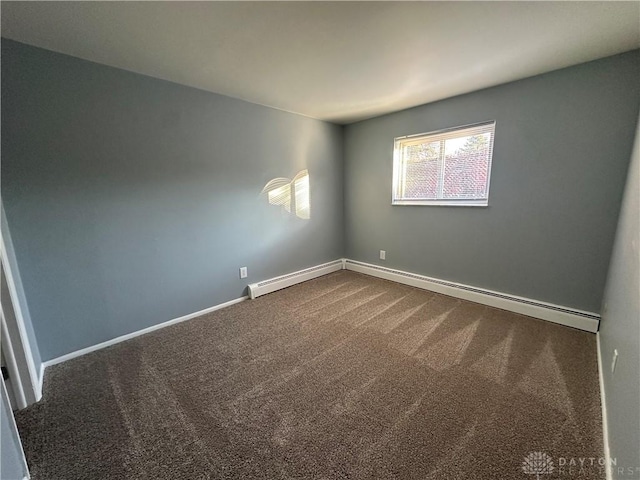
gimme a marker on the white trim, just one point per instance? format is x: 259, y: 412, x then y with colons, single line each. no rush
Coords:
x: 12, y: 364
x: 32, y: 382
x: 284, y: 281
x: 128, y: 336
x: 570, y: 317
x: 605, y: 422
x: 41, y: 377
x: 481, y: 202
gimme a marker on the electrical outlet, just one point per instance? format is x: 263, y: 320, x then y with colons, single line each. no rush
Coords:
x: 243, y: 272
x: 383, y: 255
x: 614, y: 361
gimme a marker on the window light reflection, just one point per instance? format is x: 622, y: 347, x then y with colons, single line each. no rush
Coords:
x: 292, y: 195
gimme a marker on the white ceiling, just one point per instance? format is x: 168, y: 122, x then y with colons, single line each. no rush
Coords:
x: 336, y: 61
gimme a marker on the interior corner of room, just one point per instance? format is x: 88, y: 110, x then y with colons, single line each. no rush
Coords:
x: 132, y: 202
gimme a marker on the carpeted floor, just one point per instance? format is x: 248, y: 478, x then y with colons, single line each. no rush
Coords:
x: 345, y: 376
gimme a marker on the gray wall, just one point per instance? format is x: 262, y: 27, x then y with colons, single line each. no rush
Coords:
x: 562, y: 146
x: 620, y: 329
x: 132, y: 200
x: 17, y: 280
x: 12, y: 462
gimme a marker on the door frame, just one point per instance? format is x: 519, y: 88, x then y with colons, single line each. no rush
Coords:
x: 15, y: 343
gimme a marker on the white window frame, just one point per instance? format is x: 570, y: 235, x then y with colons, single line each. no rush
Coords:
x: 399, y: 168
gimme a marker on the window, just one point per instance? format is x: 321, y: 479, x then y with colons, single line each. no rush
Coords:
x: 448, y: 167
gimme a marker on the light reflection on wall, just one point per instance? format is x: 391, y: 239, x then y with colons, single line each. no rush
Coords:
x: 292, y: 195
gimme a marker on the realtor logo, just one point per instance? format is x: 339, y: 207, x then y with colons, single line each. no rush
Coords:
x: 537, y: 463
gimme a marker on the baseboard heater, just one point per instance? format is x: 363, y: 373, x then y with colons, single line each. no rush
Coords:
x: 284, y: 281
x: 582, y: 320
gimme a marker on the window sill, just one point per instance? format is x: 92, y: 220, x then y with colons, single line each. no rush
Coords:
x: 441, y: 203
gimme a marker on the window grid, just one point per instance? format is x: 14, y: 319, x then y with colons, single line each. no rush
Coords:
x: 461, y: 157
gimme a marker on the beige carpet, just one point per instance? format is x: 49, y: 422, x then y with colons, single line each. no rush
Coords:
x: 345, y: 376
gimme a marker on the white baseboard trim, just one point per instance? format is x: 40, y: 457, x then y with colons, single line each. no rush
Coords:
x: 128, y: 336
x: 284, y: 281
x: 605, y: 423
x: 570, y: 317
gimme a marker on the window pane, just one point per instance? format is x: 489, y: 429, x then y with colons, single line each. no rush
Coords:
x: 466, y: 167
x: 445, y: 167
x: 421, y: 174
